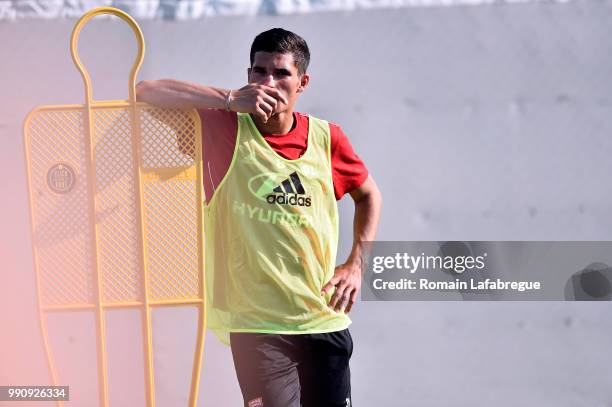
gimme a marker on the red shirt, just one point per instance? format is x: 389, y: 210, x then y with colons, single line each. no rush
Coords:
x: 219, y: 131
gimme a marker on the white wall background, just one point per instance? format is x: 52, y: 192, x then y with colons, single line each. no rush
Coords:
x: 478, y: 123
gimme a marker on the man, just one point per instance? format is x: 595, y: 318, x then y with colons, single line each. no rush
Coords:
x: 271, y: 227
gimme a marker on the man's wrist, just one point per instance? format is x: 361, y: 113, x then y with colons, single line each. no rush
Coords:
x: 354, y: 260
x: 228, y: 100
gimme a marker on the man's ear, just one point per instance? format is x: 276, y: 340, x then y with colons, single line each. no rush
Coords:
x: 304, y: 81
x: 248, y: 75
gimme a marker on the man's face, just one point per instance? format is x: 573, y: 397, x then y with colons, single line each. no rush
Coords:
x: 278, y: 71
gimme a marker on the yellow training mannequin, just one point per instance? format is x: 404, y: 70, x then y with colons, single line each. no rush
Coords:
x: 116, y: 211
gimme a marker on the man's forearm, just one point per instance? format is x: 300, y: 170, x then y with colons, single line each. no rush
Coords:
x: 365, y: 224
x: 255, y: 98
x: 346, y: 281
x: 171, y: 93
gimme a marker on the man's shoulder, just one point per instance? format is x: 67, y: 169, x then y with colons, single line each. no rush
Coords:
x: 334, y: 128
x: 307, y: 116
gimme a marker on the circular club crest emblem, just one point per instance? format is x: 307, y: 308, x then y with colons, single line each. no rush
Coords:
x: 61, y: 178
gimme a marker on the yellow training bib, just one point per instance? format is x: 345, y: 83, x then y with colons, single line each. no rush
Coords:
x: 271, y: 234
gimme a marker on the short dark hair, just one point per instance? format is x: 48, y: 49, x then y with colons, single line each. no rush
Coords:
x: 283, y: 41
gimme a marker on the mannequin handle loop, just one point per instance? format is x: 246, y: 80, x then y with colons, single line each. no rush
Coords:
x: 77, y: 61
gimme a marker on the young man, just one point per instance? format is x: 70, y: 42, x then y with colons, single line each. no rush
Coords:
x: 271, y: 227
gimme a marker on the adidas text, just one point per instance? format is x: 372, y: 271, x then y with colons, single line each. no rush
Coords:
x: 289, y: 199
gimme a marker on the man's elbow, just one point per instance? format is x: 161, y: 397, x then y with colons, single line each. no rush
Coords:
x: 142, y: 90
x: 368, y: 193
x: 376, y: 196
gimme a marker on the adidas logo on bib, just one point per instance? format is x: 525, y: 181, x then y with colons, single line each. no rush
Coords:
x: 289, y: 192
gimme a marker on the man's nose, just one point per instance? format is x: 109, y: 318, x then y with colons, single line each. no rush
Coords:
x: 269, y: 80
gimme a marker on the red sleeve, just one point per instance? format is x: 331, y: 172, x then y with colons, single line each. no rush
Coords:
x: 348, y: 171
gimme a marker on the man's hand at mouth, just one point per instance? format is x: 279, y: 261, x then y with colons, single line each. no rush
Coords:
x: 257, y: 99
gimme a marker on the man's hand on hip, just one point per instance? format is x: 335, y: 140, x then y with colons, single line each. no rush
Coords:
x: 347, y: 281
